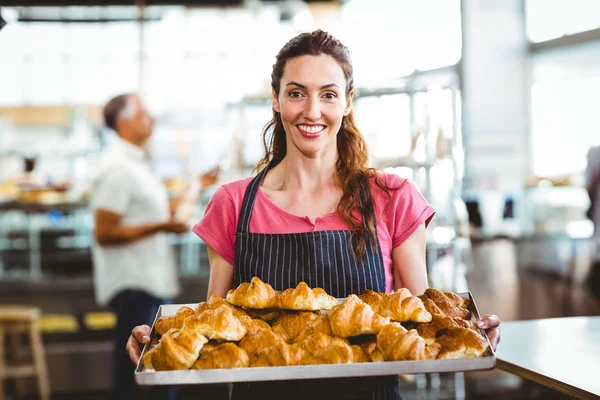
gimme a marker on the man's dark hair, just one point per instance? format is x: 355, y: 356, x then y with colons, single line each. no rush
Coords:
x: 113, y: 108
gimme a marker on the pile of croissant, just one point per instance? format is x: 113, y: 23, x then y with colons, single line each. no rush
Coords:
x: 256, y: 326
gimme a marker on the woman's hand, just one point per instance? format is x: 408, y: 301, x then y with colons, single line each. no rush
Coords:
x: 491, y: 324
x: 140, y: 335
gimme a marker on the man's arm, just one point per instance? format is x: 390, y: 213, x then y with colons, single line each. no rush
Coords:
x: 109, y: 230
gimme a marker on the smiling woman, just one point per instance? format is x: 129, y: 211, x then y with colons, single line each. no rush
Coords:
x: 316, y: 212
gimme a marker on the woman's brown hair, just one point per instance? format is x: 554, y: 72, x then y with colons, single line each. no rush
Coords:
x: 352, y: 171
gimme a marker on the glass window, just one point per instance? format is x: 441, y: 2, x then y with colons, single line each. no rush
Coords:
x: 391, y: 39
x: 550, y: 19
x: 564, y: 116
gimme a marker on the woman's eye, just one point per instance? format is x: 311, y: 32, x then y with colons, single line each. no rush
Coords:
x: 330, y: 96
x: 295, y: 94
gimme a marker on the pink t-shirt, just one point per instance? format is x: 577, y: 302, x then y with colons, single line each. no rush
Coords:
x: 397, y: 218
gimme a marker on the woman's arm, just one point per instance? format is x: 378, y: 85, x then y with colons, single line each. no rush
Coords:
x: 409, y: 268
x: 221, y: 275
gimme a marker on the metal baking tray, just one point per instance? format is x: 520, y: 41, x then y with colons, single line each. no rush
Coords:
x: 251, y: 374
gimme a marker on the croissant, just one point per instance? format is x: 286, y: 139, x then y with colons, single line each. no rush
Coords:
x: 177, y: 349
x: 295, y: 327
x: 279, y: 354
x: 267, y: 314
x: 372, y: 350
x: 215, y: 302
x: 445, y: 304
x: 398, y: 344
x: 319, y: 341
x: 163, y: 324
x: 434, y: 309
x: 460, y: 343
x: 304, y: 298
x: 372, y: 298
x: 147, y: 360
x: 402, y: 306
x: 224, y: 356
x: 338, y: 352
x: 253, y: 325
x: 255, y: 294
x: 219, y: 324
x: 354, y: 317
x: 438, y: 322
x: 261, y: 340
x: 458, y: 301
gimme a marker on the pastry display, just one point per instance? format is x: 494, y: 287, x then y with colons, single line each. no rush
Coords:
x: 256, y: 326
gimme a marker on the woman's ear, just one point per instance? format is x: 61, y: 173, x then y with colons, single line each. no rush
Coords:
x: 349, y: 100
x: 275, y: 101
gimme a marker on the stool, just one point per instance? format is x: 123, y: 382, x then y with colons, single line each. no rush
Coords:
x: 15, y: 321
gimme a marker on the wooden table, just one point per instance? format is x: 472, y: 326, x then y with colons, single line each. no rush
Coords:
x: 561, y: 353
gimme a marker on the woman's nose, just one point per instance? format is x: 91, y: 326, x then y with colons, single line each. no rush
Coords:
x: 313, y: 109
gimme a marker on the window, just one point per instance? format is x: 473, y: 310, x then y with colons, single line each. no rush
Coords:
x: 551, y: 19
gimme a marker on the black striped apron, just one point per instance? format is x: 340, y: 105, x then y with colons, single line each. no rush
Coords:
x: 321, y: 259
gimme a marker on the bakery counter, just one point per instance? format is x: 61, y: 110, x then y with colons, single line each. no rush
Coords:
x: 560, y: 353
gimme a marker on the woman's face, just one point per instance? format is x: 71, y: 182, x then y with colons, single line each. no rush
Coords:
x: 312, y: 103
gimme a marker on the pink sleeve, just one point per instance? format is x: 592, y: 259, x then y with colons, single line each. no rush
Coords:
x: 218, y: 226
x: 406, y: 209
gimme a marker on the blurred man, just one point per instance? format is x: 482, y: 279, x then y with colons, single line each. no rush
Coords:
x: 592, y: 184
x: 134, y: 267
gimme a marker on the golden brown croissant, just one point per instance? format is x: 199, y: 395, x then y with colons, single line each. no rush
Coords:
x: 147, y: 360
x: 460, y: 343
x: 372, y: 350
x: 434, y: 309
x: 354, y: 317
x: 445, y: 304
x: 439, y: 321
x: 219, y: 324
x: 261, y: 340
x: 163, y: 324
x: 458, y: 301
x: 215, y: 302
x: 279, y: 354
x: 177, y: 349
x: 267, y: 314
x: 226, y: 355
x: 359, y: 354
x: 304, y: 298
x: 371, y: 297
x: 296, y: 326
x: 402, y: 306
x: 337, y: 352
x: 255, y: 294
x: 398, y: 344
x: 253, y: 325
x: 319, y: 341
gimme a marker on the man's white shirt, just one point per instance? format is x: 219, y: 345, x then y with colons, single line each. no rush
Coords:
x: 125, y: 184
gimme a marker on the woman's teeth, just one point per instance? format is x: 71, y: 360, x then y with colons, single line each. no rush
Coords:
x: 311, y: 129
